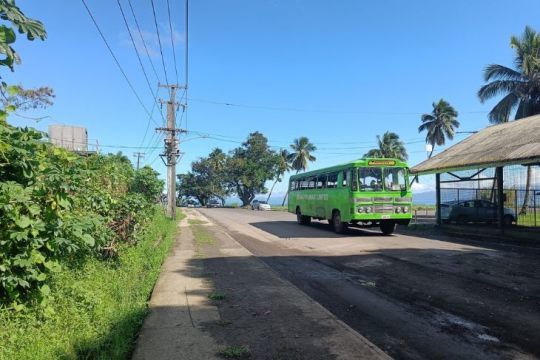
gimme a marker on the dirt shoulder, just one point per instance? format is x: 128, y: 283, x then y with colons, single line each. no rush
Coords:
x: 250, y: 312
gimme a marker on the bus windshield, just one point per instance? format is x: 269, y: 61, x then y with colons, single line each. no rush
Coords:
x: 377, y: 179
x: 370, y: 179
x: 394, y: 179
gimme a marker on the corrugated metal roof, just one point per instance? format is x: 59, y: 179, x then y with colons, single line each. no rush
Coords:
x: 515, y: 142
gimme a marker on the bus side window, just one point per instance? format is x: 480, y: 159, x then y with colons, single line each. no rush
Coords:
x: 354, y: 182
x: 302, y: 184
x: 332, y: 181
x: 345, y: 180
x: 321, y: 181
x: 312, y: 183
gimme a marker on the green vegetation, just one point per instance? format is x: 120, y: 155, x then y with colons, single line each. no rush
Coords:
x: 196, y: 222
x: 284, y: 165
x: 300, y: 157
x: 235, y: 352
x: 390, y: 146
x: 520, y: 89
x: 215, y: 295
x: 97, y: 308
x: 440, y: 124
x: 202, y: 237
x: 243, y: 172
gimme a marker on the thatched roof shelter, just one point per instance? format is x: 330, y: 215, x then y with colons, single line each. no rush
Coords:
x: 515, y: 142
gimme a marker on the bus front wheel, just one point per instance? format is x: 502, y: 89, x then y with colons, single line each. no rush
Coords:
x: 339, y: 226
x: 302, y: 219
x: 388, y: 227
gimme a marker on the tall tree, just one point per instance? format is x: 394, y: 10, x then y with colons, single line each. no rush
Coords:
x: 440, y: 124
x: 206, y: 179
x: 283, y: 166
x: 250, y: 166
x: 520, y: 88
x: 390, y: 146
x: 300, y: 157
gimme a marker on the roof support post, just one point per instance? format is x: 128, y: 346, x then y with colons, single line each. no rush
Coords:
x: 500, y: 197
x: 438, y: 198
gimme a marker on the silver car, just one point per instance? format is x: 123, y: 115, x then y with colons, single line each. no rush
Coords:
x: 260, y: 205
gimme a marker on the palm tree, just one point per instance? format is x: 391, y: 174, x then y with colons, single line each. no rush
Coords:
x: 390, y: 146
x: 284, y: 165
x: 300, y: 157
x: 520, y: 88
x: 440, y: 124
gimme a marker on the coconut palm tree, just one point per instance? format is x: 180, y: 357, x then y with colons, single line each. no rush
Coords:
x: 520, y: 88
x: 390, y: 146
x: 284, y: 165
x: 300, y: 156
x: 440, y: 124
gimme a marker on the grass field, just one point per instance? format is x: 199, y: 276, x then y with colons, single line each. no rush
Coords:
x: 98, y: 308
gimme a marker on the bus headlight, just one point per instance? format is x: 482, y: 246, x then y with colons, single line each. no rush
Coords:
x: 405, y: 209
x: 398, y: 210
x: 368, y: 210
x: 360, y: 209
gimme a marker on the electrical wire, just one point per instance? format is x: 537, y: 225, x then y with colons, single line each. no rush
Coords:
x: 142, y: 39
x: 139, y: 59
x: 159, y: 42
x: 172, y: 39
x: 322, y: 111
x: 116, y: 61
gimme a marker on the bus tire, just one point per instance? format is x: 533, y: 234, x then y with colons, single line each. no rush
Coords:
x: 339, y: 226
x: 388, y: 227
x: 302, y: 219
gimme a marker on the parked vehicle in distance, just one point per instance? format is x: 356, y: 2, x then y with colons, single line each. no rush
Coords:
x: 260, y: 205
x: 213, y: 204
x: 465, y: 211
x: 365, y: 192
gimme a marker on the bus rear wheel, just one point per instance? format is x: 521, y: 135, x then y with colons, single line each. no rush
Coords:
x: 302, y: 219
x: 339, y: 226
x: 388, y: 227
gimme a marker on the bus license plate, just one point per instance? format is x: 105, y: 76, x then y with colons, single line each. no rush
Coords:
x: 385, y: 217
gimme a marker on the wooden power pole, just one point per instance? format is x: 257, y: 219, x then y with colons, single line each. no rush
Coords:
x: 138, y: 155
x: 171, y: 153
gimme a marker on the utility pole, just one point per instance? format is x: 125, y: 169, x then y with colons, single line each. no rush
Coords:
x: 138, y: 155
x: 171, y: 153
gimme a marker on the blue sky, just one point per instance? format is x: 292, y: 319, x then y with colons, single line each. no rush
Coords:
x: 338, y: 72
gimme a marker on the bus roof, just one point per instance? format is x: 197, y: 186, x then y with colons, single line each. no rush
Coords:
x: 380, y: 162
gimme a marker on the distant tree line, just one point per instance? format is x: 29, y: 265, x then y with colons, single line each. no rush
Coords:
x: 244, y: 171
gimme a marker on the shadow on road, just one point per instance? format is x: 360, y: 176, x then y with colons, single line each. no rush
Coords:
x: 290, y: 229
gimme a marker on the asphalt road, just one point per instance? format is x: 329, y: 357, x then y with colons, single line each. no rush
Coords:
x: 414, y: 297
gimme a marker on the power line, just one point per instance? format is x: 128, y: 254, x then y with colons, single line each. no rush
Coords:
x: 102, y: 145
x: 139, y: 58
x: 143, y: 41
x: 186, y: 54
x: 324, y: 111
x: 172, y: 39
x: 116, y: 60
x: 159, y: 41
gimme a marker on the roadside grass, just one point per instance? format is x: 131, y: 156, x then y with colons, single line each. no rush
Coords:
x: 98, y: 308
x: 280, y: 208
x: 216, y: 295
x: 202, y: 237
x: 196, y: 222
x: 529, y: 220
x: 235, y: 352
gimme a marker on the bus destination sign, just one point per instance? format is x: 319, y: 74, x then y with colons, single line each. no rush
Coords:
x: 381, y: 162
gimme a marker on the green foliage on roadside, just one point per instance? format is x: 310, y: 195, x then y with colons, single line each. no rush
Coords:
x: 58, y: 208
x: 243, y: 172
x: 98, y: 307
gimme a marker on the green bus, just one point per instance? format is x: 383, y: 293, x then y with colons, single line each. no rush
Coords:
x: 365, y: 192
